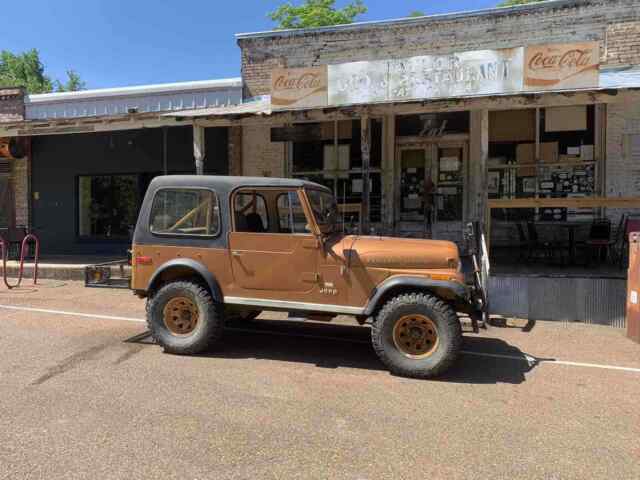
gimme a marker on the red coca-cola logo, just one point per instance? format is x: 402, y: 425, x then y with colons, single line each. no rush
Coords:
x: 571, y: 59
x: 301, y: 82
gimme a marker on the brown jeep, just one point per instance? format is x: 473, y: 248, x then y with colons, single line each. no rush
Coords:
x: 208, y: 249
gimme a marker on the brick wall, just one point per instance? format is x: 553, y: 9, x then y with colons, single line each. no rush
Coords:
x: 235, y: 150
x: 20, y: 182
x: 11, y: 104
x: 614, y: 23
x: 260, y: 156
x: 12, y: 110
x: 623, y: 43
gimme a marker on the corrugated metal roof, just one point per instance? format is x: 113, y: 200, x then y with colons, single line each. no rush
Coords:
x: 223, y: 83
x: 139, y: 99
x: 412, y: 20
x: 261, y: 106
x: 620, y: 78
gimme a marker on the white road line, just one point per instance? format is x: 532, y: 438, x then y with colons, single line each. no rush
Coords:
x: 524, y: 358
x: 73, y: 314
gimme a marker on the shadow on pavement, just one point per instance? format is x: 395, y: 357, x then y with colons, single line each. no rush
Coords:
x: 334, y: 346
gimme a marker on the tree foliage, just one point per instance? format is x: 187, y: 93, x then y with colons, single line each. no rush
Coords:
x: 512, y: 3
x: 416, y: 13
x: 316, y: 13
x: 26, y: 70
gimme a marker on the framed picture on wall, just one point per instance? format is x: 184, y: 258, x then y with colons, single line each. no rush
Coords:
x: 529, y: 185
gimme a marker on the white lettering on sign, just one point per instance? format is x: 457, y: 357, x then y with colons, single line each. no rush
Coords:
x: 429, y: 76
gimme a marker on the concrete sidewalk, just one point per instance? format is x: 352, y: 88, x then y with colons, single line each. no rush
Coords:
x: 60, y: 267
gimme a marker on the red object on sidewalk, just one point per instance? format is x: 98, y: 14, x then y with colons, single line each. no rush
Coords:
x: 633, y: 288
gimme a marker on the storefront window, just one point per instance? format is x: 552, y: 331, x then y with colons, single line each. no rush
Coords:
x: 108, y: 206
x: 340, y: 168
x: 562, y: 164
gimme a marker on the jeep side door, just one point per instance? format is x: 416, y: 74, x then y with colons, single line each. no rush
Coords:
x: 271, y: 247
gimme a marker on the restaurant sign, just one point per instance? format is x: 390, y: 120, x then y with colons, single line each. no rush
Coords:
x: 298, y: 87
x: 429, y: 76
x: 561, y: 66
x: 481, y: 72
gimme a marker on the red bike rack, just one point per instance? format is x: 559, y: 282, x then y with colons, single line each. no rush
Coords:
x: 23, y: 250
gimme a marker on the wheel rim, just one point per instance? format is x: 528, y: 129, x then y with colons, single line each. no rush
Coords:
x: 181, y: 316
x: 416, y: 336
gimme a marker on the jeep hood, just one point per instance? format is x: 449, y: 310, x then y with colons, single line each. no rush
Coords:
x: 398, y: 253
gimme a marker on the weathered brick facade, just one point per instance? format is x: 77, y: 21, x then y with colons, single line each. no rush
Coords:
x: 623, y: 43
x: 11, y: 104
x: 12, y: 109
x: 613, y: 23
x: 235, y: 150
x: 260, y: 157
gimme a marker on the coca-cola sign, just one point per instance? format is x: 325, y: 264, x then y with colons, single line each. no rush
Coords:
x: 553, y: 67
x: 299, y: 87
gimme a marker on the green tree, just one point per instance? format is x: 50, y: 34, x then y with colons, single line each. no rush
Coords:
x: 26, y: 70
x: 511, y: 3
x: 73, y: 83
x: 416, y: 13
x: 316, y: 13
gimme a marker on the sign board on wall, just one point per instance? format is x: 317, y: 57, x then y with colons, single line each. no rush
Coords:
x: 429, y: 76
x: 481, y: 72
x: 561, y: 66
x: 298, y: 87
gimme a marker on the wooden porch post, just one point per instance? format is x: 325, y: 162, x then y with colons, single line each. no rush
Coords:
x: 198, y: 148
x: 365, y: 145
x: 479, y: 154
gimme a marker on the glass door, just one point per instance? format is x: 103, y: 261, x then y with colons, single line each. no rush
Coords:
x: 449, y: 211
x: 416, y: 191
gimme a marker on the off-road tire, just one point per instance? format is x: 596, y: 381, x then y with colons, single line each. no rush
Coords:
x: 448, y: 328
x: 208, y: 329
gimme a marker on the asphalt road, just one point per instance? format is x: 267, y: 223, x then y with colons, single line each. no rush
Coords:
x: 85, y: 397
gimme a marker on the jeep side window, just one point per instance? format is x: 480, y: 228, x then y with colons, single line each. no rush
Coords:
x: 250, y: 210
x: 184, y: 211
x: 291, y: 217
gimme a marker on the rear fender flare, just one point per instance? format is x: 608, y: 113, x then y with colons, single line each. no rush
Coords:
x: 458, y: 290
x: 197, y: 267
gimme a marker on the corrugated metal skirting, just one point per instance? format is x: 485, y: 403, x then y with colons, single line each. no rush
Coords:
x: 591, y: 300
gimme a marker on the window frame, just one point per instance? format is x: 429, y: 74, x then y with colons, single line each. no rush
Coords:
x: 308, y: 220
x: 245, y: 191
x: 103, y: 239
x: 185, y: 235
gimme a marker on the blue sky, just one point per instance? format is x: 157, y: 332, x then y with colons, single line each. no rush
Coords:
x: 117, y: 42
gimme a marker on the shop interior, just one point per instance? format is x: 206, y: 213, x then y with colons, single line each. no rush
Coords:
x: 552, y: 153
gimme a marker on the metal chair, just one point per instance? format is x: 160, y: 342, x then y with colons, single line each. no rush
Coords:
x: 600, y: 240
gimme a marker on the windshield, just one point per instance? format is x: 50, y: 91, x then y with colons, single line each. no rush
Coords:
x: 324, y: 209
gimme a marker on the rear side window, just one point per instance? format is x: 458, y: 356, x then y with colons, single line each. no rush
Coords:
x: 185, y: 211
x: 251, y: 212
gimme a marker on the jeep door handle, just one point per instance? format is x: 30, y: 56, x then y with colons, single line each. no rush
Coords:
x: 236, y: 253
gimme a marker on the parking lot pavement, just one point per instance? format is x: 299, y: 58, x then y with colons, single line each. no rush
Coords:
x: 87, y: 395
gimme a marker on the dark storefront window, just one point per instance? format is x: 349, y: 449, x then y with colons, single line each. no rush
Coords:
x: 315, y: 160
x: 108, y: 205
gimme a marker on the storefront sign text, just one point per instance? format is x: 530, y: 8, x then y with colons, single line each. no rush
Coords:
x: 299, y: 87
x: 429, y: 76
x: 574, y: 65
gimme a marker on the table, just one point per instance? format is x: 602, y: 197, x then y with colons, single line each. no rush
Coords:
x: 571, y: 227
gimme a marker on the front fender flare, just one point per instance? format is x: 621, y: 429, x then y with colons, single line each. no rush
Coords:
x: 197, y: 267
x: 420, y: 283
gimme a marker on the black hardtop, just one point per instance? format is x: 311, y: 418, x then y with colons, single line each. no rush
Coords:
x: 223, y: 186
x: 226, y: 184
